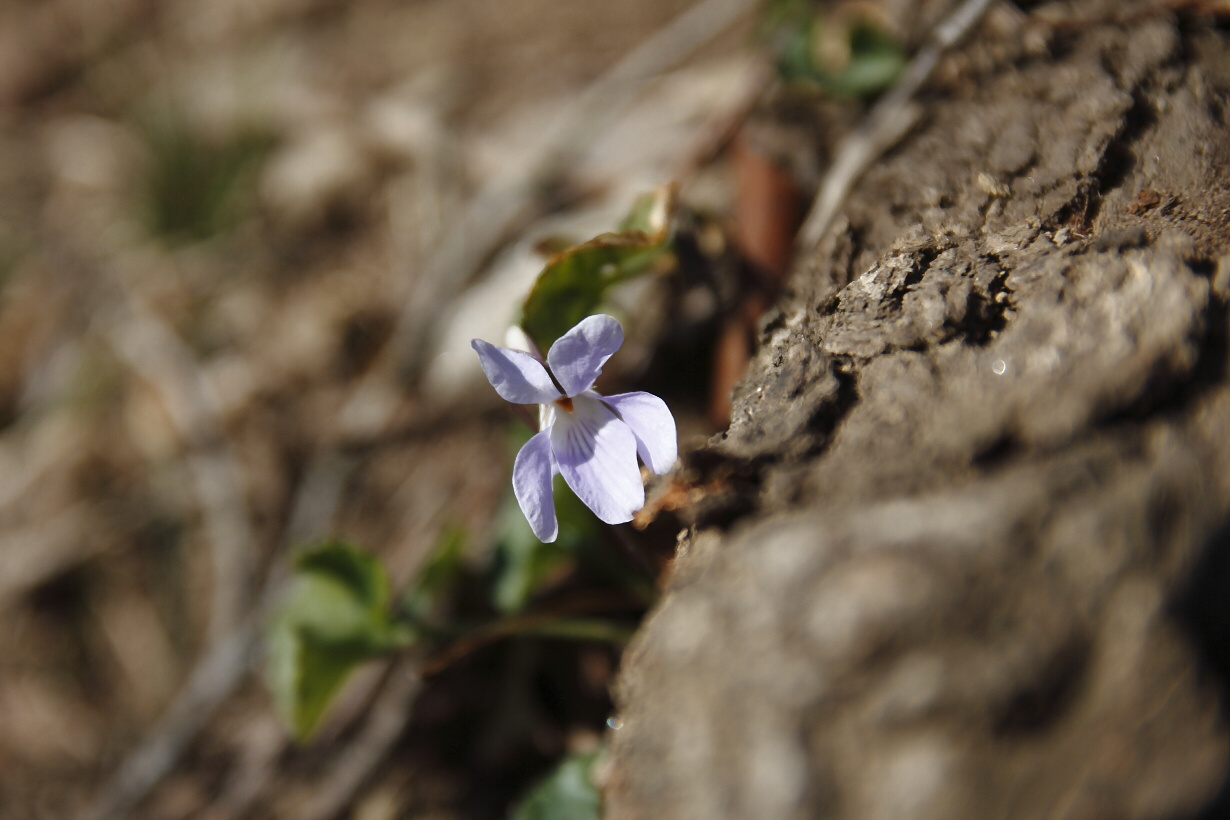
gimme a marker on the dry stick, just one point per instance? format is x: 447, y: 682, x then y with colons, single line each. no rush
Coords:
x: 489, y: 218
x: 212, y: 680
x: 221, y: 668
x: 156, y: 353
x: 484, y: 636
x: 387, y: 718
x: 886, y: 123
x: 511, y: 198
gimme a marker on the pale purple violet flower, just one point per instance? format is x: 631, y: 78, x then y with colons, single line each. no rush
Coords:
x: 592, y: 440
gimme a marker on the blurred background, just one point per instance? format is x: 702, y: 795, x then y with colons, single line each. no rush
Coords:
x: 234, y: 236
x: 243, y: 247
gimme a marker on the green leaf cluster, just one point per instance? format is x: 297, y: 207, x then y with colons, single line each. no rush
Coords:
x: 335, y: 616
x: 197, y: 188
x: 436, y: 580
x: 338, y: 611
x: 568, y: 793
x: 523, y: 564
x: 575, y: 281
x: 841, y: 54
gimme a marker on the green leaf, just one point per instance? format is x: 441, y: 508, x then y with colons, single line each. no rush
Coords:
x: 438, y: 577
x: 197, y: 188
x: 575, y: 281
x: 334, y: 617
x: 651, y: 214
x: 875, y: 61
x: 567, y: 793
x: 523, y: 563
x: 870, y: 61
x: 305, y: 675
x: 356, y: 571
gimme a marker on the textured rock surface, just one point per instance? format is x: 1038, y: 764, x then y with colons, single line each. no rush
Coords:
x: 989, y: 436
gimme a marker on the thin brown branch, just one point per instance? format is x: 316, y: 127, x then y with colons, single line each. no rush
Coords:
x: 591, y: 604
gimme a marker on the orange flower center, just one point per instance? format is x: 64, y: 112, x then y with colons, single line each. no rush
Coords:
x: 565, y: 403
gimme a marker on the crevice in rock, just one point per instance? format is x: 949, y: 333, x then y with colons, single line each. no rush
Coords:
x: 856, y: 236
x: 923, y: 258
x: 738, y: 478
x: 1174, y: 394
x: 986, y: 314
x: 1203, y: 609
x: 998, y: 452
x: 823, y: 425
x: 1115, y: 166
x: 1119, y: 158
x: 1052, y: 691
x: 1203, y: 266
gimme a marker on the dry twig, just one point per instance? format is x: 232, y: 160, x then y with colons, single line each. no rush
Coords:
x: 212, y: 680
x: 154, y: 351
x: 354, y: 766
x: 513, y: 198
x: 887, y: 122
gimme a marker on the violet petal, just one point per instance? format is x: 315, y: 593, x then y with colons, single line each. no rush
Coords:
x: 577, y: 357
x: 653, y: 426
x: 532, y: 474
x: 518, y: 377
x: 596, y: 453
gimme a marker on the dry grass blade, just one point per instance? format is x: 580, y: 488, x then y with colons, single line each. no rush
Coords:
x: 34, y: 553
x: 153, y: 350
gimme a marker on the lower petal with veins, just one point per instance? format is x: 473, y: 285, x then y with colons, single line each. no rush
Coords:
x: 532, y: 474
x: 596, y: 454
x: 653, y: 425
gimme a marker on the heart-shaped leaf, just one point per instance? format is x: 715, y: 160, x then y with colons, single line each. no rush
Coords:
x: 334, y: 616
x: 575, y: 281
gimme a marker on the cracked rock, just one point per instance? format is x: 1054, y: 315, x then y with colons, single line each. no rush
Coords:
x: 992, y: 444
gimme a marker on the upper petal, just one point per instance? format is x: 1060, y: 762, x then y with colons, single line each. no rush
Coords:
x: 596, y: 453
x: 518, y: 377
x: 577, y: 357
x: 653, y: 426
x: 532, y: 474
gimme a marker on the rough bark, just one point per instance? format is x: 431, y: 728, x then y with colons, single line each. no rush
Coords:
x: 977, y: 457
